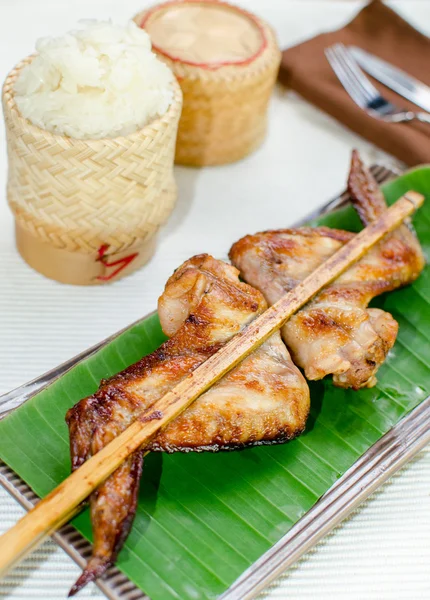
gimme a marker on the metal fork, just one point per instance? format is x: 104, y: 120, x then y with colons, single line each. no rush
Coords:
x: 363, y: 92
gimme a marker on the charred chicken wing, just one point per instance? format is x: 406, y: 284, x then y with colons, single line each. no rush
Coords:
x: 335, y: 333
x: 264, y: 400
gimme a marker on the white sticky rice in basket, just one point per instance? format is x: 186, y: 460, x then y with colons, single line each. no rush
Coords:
x: 99, y: 81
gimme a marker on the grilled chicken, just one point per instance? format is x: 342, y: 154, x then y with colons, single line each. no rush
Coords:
x: 264, y: 400
x: 335, y: 333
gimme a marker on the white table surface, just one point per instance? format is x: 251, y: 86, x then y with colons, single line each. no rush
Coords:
x: 382, y: 551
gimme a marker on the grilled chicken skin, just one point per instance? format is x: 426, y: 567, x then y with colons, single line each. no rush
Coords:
x: 265, y: 399
x: 335, y: 333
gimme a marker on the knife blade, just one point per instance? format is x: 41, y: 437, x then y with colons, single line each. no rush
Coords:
x: 393, y: 77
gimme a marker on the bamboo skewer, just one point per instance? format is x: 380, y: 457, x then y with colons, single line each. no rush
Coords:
x: 64, y: 501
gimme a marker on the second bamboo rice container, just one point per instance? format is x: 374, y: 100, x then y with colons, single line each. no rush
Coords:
x: 226, y: 61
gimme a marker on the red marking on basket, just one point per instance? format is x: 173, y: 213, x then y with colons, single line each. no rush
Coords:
x: 209, y: 66
x: 121, y: 263
x: 102, y: 251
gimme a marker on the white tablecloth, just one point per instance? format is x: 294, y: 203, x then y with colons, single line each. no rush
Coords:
x: 382, y: 551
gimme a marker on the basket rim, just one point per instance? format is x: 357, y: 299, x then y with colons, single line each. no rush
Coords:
x: 8, y: 95
x: 243, y: 69
x: 145, y: 15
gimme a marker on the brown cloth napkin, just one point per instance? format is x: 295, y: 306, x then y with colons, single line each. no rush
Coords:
x: 379, y: 30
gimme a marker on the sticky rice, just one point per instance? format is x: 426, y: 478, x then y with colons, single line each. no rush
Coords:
x: 101, y: 80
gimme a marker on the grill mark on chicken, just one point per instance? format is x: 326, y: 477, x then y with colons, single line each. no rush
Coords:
x: 335, y: 333
x: 263, y: 400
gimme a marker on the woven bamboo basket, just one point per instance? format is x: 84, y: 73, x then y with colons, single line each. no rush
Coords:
x: 87, y: 211
x: 224, y: 116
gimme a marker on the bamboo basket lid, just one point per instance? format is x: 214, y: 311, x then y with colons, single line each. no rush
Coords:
x: 226, y: 61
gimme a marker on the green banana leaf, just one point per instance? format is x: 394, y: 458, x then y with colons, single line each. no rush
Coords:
x: 203, y: 519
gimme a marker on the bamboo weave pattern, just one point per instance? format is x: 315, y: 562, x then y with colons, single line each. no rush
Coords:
x: 224, y: 113
x: 78, y: 195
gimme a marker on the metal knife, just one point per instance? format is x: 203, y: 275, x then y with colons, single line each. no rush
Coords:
x: 393, y: 77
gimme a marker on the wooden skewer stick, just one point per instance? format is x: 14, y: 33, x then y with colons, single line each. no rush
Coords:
x: 64, y: 501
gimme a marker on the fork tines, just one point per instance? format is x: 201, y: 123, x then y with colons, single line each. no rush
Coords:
x: 355, y: 82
